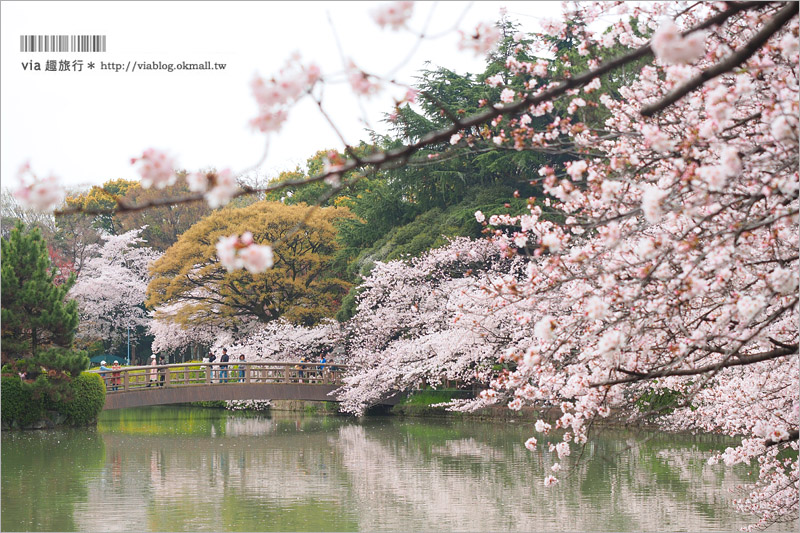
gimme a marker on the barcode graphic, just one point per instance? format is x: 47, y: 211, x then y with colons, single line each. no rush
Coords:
x: 62, y: 43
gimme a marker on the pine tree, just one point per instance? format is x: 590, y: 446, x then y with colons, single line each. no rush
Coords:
x: 38, y: 323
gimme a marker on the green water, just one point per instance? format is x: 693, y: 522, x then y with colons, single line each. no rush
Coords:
x: 191, y: 469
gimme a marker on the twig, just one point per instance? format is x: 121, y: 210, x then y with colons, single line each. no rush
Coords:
x: 403, y: 153
x: 758, y: 358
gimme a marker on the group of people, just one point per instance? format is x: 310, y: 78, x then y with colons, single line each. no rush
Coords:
x: 222, y: 372
x: 155, y: 377
x: 308, y: 369
x: 115, y: 381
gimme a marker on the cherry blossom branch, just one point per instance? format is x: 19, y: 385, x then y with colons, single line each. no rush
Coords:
x: 381, y: 158
x: 734, y: 60
x: 757, y: 358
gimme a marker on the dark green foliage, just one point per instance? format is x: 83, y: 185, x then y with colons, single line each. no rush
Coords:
x: 432, y: 228
x: 35, y: 312
x: 19, y: 404
x: 24, y: 406
x: 660, y: 401
x: 38, y: 322
x: 88, y: 395
x: 213, y: 404
x: 434, y: 396
x: 49, y: 374
x: 379, y: 207
x: 349, y: 305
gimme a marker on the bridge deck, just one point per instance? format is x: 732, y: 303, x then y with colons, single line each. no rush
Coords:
x: 196, y: 382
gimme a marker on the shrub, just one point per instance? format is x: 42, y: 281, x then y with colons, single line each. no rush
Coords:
x: 23, y: 407
x: 248, y: 405
x: 18, y: 405
x: 88, y: 395
x: 214, y: 404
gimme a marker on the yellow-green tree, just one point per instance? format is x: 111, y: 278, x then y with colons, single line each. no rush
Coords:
x: 104, y: 197
x: 164, y: 224
x: 303, y: 286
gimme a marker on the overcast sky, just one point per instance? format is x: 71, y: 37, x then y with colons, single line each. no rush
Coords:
x: 85, y: 126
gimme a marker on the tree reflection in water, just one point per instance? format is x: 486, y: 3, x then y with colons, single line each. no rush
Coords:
x: 196, y: 469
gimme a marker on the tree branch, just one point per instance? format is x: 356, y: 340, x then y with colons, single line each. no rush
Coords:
x: 734, y: 60
x: 381, y: 158
x: 757, y: 358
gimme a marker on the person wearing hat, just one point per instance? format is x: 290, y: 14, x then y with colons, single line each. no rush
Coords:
x: 153, y: 372
x: 116, y: 380
x: 103, y: 374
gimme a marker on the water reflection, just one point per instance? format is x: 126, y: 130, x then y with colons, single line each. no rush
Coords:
x: 78, y: 455
x: 187, y: 469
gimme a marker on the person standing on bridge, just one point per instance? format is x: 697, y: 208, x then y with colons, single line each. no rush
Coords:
x: 152, y: 371
x: 161, y: 372
x: 103, y: 373
x: 241, y: 368
x: 116, y: 380
x: 223, y: 369
x: 211, y: 359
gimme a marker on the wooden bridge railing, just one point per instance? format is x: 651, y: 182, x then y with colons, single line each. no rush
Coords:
x: 202, y: 374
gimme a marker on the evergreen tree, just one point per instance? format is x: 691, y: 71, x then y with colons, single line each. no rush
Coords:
x: 38, y: 323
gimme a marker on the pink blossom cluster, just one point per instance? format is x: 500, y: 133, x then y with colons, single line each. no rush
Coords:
x: 671, y: 47
x: 392, y: 14
x: 276, y: 95
x: 112, y: 285
x: 362, y: 83
x: 690, y: 286
x: 218, y: 188
x: 156, y: 168
x: 237, y: 252
x: 417, y: 321
x: 482, y: 40
x: 40, y: 194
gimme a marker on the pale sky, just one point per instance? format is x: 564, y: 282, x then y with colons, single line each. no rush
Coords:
x: 86, y: 126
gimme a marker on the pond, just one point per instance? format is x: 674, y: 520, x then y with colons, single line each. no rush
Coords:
x: 193, y: 469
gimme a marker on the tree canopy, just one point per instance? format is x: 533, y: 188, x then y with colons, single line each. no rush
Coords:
x: 303, y: 287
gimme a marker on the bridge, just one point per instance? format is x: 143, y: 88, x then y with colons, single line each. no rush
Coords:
x: 139, y: 386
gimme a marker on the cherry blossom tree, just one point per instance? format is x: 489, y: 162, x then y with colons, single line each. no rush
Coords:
x: 112, y: 285
x: 275, y: 341
x: 430, y: 319
x: 676, y: 267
